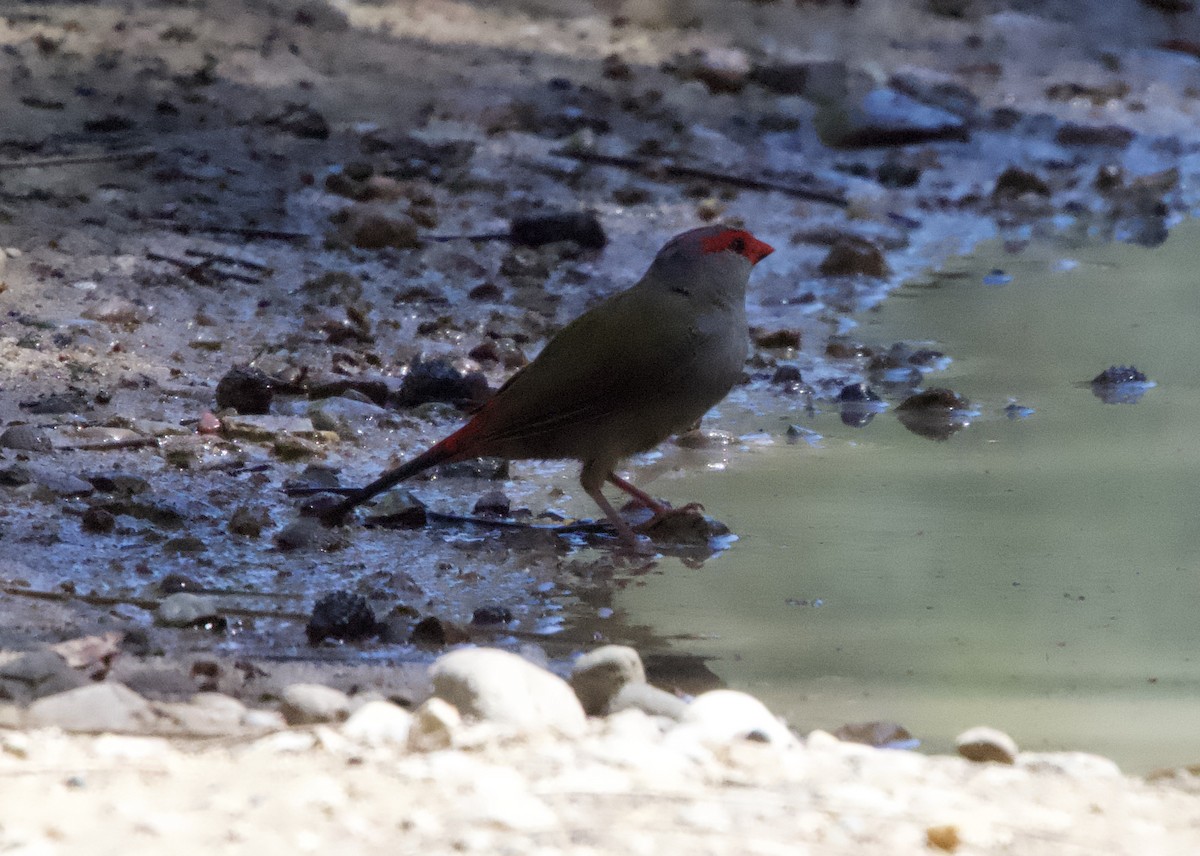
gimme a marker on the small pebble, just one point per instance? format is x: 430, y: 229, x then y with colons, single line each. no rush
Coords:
x: 983, y: 744
x: 308, y: 704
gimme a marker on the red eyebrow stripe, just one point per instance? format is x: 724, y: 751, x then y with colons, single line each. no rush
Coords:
x: 752, y: 248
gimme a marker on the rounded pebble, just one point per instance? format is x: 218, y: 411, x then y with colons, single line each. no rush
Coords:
x: 599, y: 675
x: 982, y: 744
x: 501, y: 687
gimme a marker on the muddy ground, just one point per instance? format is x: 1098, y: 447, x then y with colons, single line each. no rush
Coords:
x: 186, y: 187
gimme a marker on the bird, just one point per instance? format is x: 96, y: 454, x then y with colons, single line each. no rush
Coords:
x: 644, y: 364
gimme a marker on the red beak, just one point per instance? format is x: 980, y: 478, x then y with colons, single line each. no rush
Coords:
x: 757, y: 250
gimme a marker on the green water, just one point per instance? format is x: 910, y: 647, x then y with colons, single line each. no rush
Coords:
x: 1038, y: 575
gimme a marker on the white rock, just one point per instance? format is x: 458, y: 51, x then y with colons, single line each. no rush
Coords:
x: 205, y: 714
x: 982, y: 743
x: 100, y: 707
x: 599, y: 675
x: 727, y: 715
x: 307, y: 704
x: 499, y: 687
x: 648, y: 699
x: 379, y: 723
x: 434, y: 726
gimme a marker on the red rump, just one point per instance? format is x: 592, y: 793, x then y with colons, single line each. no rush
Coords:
x: 739, y: 241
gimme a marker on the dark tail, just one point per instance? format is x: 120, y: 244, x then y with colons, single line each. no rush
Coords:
x: 450, y: 449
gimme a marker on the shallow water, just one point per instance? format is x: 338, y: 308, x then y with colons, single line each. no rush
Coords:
x: 1041, y: 575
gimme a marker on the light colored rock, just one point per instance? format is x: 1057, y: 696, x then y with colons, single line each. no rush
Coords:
x: 307, y: 704
x: 184, y: 609
x: 726, y: 715
x: 599, y: 675
x: 435, y: 724
x: 379, y: 723
x: 62, y: 484
x: 206, y: 715
x: 647, y: 699
x: 259, y: 721
x: 982, y: 743
x: 100, y: 707
x: 15, y: 744
x: 500, y: 687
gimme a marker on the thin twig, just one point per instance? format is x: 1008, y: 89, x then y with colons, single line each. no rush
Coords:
x: 72, y: 160
x: 680, y: 171
x: 229, y: 260
x: 109, y: 445
x: 241, y: 231
x: 145, y: 603
x: 201, y: 271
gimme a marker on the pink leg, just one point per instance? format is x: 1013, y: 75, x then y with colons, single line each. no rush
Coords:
x: 640, y: 495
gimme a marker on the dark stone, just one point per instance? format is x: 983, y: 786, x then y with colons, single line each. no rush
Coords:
x: 302, y: 121
x: 793, y: 78
x: 582, y: 227
x: 935, y: 399
x: 787, y: 375
x: 486, y: 291
x: 493, y: 469
x: 341, y: 615
x: 114, y: 482
x: 1119, y: 374
x: 37, y: 674
x: 494, y: 503
x: 1115, y: 136
x: 439, y: 380
x: 159, y: 511
x: 15, y: 475
x: 58, y: 403
x: 432, y: 632
x: 1120, y: 385
x: 779, y: 339
x: 111, y: 124
x: 249, y: 522
x: 26, y: 438
x: 894, y: 172
x: 414, y: 516
x: 173, y: 583
x: 247, y: 390
x: 97, y: 521
x: 854, y: 257
x: 855, y: 393
x: 1015, y: 182
x: 369, y: 228
x: 935, y: 414
x: 492, y: 614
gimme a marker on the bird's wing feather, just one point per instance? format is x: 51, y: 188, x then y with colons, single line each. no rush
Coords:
x: 607, y: 360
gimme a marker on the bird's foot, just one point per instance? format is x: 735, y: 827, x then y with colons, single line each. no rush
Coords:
x: 665, y: 514
x: 686, y: 524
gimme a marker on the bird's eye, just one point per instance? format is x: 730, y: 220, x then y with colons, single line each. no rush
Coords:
x: 738, y: 245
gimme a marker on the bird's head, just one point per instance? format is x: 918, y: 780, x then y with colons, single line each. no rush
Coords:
x: 709, y: 258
